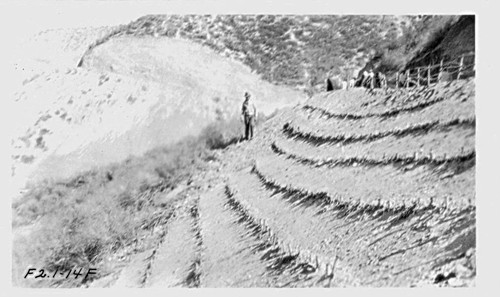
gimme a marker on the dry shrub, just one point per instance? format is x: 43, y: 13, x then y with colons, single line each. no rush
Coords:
x: 83, y: 220
x: 222, y: 133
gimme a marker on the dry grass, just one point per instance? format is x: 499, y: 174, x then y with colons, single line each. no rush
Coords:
x: 84, y: 221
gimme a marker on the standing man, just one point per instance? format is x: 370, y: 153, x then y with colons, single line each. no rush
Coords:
x: 249, y: 113
x: 402, y: 79
x: 383, y: 80
x: 365, y: 79
x: 371, y: 74
x: 329, y: 85
x: 352, y: 82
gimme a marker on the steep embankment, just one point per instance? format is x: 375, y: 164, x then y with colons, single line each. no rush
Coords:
x: 381, y: 186
x: 131, y: 95
x: 349, y: 189
x: 440, y: 39
x: 54, y: 49
x: 448, y: 43
x: 295, y: 50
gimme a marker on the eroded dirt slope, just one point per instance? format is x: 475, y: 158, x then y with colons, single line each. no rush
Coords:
x: 129, y: 96
x: 309, y: 202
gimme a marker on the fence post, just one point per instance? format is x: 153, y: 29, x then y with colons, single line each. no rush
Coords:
x: 418, y: 77
x: 429, y: 75
x: 407, y: 78
x: 440, y: 70
x: 460, y: 67
x: 397, y: 80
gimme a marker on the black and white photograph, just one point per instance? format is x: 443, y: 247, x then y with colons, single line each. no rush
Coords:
x: 232, y: 149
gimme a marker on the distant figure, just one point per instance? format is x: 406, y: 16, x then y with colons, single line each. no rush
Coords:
x: 352, y: 82
x: 365, y: 79
x: 344, y: 85
x: 249, y: 113
x: 371, y: 74
x: 402, y: 79
x: 444, y: 76
x: 329, y: 85
x: 383, y: 80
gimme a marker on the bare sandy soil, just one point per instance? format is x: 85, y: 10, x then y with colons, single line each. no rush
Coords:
x: 130, y: 95
x: 347, y: 189
x: 269, y: 218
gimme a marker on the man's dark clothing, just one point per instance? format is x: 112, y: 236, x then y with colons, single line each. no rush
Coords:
x: 249, y: 124
x: 248, y: 110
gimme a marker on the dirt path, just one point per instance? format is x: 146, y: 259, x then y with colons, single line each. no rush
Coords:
x: 280, y: 212
x: 169, y: 263
x: 228, y: 259
x: 174, y: 262
x: 300, y: 227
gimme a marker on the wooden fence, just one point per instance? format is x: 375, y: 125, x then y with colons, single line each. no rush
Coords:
x: 461, y: 67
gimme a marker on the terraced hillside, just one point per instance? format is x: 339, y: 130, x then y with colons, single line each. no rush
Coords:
x: 348, y: 189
